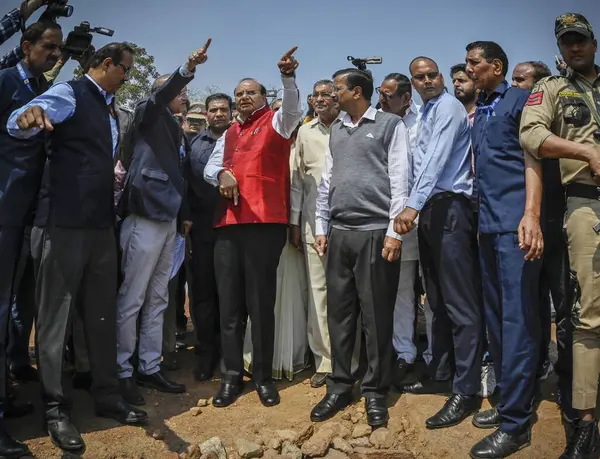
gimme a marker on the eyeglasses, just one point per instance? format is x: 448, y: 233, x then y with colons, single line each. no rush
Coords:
x: 430, y: 76
x: 125, y: 68
x: 324, y: 95
x: 250, y: 93
x: 385, y: 95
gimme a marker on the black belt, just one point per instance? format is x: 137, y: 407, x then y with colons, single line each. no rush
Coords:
x: 441, y: 196
x: 580, y: 190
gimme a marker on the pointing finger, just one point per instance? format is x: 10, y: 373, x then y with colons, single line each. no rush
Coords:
x: 205, y: 47
x: 290, y: 52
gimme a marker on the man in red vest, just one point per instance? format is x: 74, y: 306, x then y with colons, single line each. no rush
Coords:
x: 250, y: 165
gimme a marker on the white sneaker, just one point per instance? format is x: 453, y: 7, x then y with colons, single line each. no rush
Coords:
x: 488, y: 380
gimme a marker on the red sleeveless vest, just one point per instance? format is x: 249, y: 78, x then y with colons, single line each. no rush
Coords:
x: 260, y: 159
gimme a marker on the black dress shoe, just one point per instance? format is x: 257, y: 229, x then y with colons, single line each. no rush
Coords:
x: 24, y: 374
x: 130, y: 392
x: 82, y: 380
x: 122, y: 412
x: 583, y: 443
x: 160, y: 382
x: 17, y: 410
x: 377, y: 412
x: 11, y: 448
x: 426, y: 386
x: 401, y: 369
x: 329, y: 406
x: 455, y: 410
x: 268, y: 394
x: 499, y: 445
x: 488, y: 419
x: 228, y: 394
x: 64, y: 435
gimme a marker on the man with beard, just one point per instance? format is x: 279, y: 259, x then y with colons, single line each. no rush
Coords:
x: 510, y: 245
x: 203, y: 199
x: 561, y: 120
x: 464, y: 89
x: 395, y: 96
x: 441, y: 197
x: 311, y: 145
x: 79, y: 259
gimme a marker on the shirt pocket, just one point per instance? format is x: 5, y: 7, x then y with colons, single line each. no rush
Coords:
x: 499, y: 132
x: 575, y: 111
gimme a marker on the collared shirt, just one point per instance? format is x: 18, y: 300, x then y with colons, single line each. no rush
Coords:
x: 59, y: 105
x: 499, y: 160
x: 399, y: 171
x: 442, y: 160
x: 557, y: 107
x: 411, y: 119
x: 285, y: 122
x: 307, y: 169
x: 9, y: 25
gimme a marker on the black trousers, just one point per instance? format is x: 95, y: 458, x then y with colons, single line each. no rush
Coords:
x: 246, y: 259
x: 76, y: 264
x: 555, y: 282
x: 449, y: 257
x: 205, y: 307
x: 360, y: 281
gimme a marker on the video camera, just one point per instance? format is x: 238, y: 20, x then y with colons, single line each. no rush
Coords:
x: 361, y: 62
x: 79, y: 41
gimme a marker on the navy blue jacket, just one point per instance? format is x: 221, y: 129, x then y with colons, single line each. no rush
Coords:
x: 499, y: 160
x: 203, y: 197
x: 154, y: 186
x: 21, y: 161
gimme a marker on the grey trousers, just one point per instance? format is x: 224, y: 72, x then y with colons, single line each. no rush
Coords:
x: 75, y: 263
x: 147, y: 247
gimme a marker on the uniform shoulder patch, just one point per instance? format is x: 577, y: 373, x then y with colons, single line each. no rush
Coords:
x: 535, y: 98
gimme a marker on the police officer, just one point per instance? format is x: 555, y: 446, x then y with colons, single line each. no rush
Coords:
x: 562, y: 120
x: 509, y: 224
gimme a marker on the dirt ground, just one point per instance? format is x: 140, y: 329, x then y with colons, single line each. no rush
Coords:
x: 172, y: 428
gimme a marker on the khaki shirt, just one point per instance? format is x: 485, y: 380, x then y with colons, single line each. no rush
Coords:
x: 557, y: 107
x: 307, y: 169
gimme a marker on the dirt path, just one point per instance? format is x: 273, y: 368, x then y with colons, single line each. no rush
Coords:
x: 172, y: 428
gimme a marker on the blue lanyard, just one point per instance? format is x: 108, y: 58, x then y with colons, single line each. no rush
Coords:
x: 492, y: 107
x: 25, y: 79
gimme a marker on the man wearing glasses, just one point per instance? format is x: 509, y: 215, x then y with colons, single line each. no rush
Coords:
x: 78, y: 259
x: 153, y: 213
x: 441, y: 197
x: 311, y: 145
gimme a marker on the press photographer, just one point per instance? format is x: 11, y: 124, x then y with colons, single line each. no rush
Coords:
x: 10, y: 24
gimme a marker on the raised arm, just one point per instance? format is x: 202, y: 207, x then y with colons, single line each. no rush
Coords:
x: 288, y: 117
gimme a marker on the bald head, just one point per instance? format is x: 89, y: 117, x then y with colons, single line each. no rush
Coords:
x: 160, y: 81
x: 422, y: 59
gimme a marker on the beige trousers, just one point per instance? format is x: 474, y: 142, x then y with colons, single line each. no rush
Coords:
x: 584, y: 253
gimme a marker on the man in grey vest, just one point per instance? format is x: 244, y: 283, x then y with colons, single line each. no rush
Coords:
x: 366, y: 181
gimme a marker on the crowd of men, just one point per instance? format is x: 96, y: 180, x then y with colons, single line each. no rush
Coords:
x: 490, y: 195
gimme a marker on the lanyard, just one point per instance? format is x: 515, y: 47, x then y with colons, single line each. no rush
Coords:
x: 25, y: 79
x: 492, y: 107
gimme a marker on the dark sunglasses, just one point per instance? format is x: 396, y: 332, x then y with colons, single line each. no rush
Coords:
x: 430, y: 76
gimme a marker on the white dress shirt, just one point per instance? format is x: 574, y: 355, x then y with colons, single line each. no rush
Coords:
x: 285, y: 122
x: 399, y: 170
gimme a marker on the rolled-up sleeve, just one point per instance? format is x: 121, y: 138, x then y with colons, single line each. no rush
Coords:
x: 537, y: 118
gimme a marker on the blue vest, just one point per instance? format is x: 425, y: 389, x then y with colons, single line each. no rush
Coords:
x: 81, y: 168
x: 21, y: 161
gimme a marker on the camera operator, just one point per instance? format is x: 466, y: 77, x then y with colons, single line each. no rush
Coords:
x: 10, y: 24
x: 79, y: 259
x: 21, y: 166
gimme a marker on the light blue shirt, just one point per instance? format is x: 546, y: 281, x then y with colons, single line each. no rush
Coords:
x: 59, y: 105
x: 442, y: 160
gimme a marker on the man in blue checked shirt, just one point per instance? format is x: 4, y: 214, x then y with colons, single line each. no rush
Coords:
x: 510, y: 245
x: 79, y: 256
x: 10, y: 24
x: 441, y: 197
